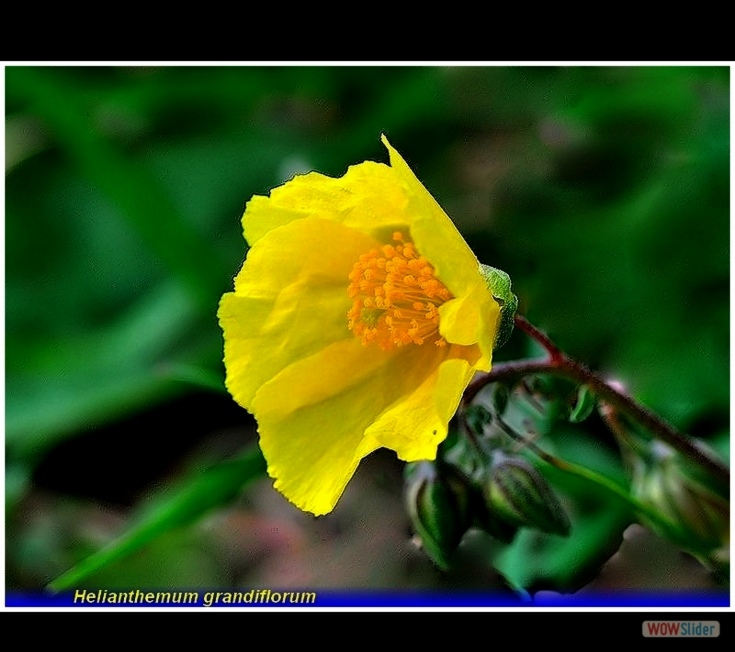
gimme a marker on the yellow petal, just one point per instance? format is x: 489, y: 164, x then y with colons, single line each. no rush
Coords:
x: 471, y: 319
x: 368, y: 198
x: 290, y: 301
x: 438, y: 240
x: 416, y: 423
x: 312, y: 419
x: 434, y: 233
x: 336, y: 368
x: 320, y: 416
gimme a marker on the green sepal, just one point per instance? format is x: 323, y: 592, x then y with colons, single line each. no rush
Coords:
x: 517, y: 493
x: 499, y: 284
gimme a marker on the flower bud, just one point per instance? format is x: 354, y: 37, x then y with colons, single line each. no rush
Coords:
x: 439, y: 507
x: 518, y: 494
x: 697, y: 515
x: 492, y: 523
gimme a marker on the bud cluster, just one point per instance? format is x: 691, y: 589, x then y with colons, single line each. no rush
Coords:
x: 479, y: 481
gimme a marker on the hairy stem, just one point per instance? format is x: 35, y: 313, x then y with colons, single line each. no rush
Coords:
x: 556, y: 355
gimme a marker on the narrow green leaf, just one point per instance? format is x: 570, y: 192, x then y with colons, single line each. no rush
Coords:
x: 66, y: 385
x: 17, y: 481
x: 584, y: 405
x: 213, y: 487
x: 194, y: 375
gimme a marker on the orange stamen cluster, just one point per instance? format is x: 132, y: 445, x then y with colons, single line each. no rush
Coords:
x: 396, y: 297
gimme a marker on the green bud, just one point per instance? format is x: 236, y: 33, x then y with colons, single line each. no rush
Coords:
x: 519, y: 494
x: 499, y: 284
x: 697, y: 516
x: 439, y: 507
x: 492, y: 523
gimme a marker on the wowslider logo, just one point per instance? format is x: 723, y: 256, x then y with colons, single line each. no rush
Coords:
x: 681, y: 628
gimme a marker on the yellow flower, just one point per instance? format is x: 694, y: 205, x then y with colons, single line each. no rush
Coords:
x: 357, y: 321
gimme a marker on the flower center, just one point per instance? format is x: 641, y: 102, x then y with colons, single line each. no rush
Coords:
x: 395, y: 297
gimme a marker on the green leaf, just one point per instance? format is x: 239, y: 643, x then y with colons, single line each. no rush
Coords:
x: 218, y: 485
x: 183, y: 558
x: 584, y: 405
x: 17, y: 481
x: 194, y: 375
x: 56, y: 387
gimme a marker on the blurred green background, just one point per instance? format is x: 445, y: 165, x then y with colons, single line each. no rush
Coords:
x: 602, y: 191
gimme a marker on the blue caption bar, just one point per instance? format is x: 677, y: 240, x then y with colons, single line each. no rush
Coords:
x: 288, y: 598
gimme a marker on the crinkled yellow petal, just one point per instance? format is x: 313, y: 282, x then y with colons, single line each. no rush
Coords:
x: 367, y: 198
x: 337, y: 367
x: 472, y: 316
x: 416, y: 424
x: 290, y: 301
x: 312, y: 419
x: 320, y: 416
x: 434, y: 233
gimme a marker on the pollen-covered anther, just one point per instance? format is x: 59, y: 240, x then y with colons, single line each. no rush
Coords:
x: 396, y: 297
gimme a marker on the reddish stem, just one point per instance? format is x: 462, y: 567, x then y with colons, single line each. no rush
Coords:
x: 555, y: 353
